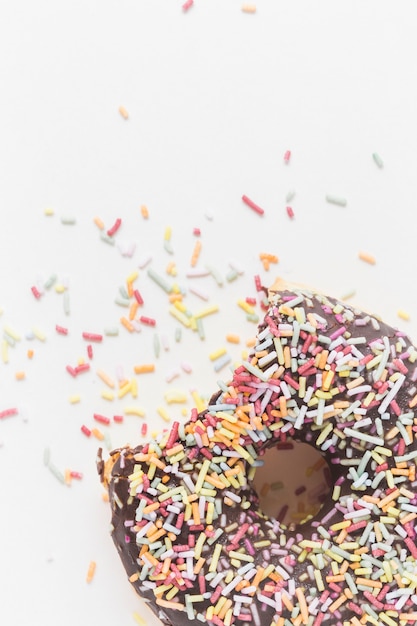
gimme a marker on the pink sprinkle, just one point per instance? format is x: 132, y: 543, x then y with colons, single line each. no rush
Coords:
x: 90, y: 351
x: 138, y: 297
x: 251, y: 301
x: 115, y: 227
x: 8, y: 412
x: 144, y: 429
x: 86, y: 431
x: 187, y: 5
x: 149, y: 321
x: 287, y: 156
x: 196, y: 232
x: 92, y: 336
x: 36, y: 292
x: 61, y: 330
x: 290, y: 212
x: 252, y: 205
x: 118, y: 418
x: 77, y: 475
x: 84, y: 367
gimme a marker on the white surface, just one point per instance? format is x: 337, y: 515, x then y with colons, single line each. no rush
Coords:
x: 215, y: 97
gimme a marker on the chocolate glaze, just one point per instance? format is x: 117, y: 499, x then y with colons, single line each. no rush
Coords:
x: 326, y: 322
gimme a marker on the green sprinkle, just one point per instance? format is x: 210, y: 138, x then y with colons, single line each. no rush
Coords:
x: 105, y: 237
x: 159, y: 280
x: 178, y: 333
x: 112, y: 331
x: 378, y: 160
x: 122, y: 301
x: 68, y: 220
x: 46, y: 456
x: 336, y: 200
x: 66, y: 303
x: 51, y: 281
x: 56, y: 472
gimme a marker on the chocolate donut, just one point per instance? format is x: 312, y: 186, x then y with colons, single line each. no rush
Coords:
x: 186, y: 518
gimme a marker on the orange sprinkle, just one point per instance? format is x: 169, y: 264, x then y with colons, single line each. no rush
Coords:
x: 231, y: 338
x: 30, y: 354
x: 133, y: 309
x: 97, y: 434
x: 144, y: 369
x: 249, y: 8
x: 144, y: 211
x: 368, y: 258
x: 67, y: 476
x: 123, y: 112
x: 126, y: 323
x: 105, y: 496
x: 302, y: 604
x: 91, y: 571
x: 99, y: 223
x: 20, y: 375
x: 196, y: 253
x: 105, y: 378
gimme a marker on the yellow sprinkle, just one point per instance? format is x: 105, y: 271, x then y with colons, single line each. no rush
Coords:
x: 163, y: 413
x: 91, y: 571
x: 207, y: 311
x: 60, y: 288
x: 198, y: 401
x: 403, y: 315
x: 134, y: 410
x: 167, y: 233
x: 215, y: 558
x: 74, y: 399
x: 368, y: 258
x: 183, y: 319
x: 107, y: 395
x: 248, y: 308
x: 139, y: 619
x: 12, y: 333
x: 174, y: 396
x: 125, y: 389
x: 217, y: 353
x: 40, y: 335
x: 48, y: 211
x: 123, y: 112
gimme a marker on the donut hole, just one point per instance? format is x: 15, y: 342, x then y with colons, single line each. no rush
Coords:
x: 293, y: 482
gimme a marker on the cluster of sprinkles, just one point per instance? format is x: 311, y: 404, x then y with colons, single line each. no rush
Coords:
x: 187, y: 520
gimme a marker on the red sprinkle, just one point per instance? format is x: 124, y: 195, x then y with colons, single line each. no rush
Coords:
x: 290, y: 212
x: 84, y: 367
x: 115, y: 227
x: 149, y: 321
x: 71, y: 370
x: 86, y: 431
x: 101, y: 418
x: 90, y: 351
x: 252, y: 205
x: 251, y: 301
x: 138, y: 297
x: 36, y: 292
x: 92, y: 336
x: 144, y: 429
x: 118, y: 418
x: 8, y: 412
x: 76, y: 475
x: 196, y: 232
x: 61, y: 330
x: 258, y: 283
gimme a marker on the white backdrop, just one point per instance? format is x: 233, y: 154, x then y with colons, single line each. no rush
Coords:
x: 215, y: 97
